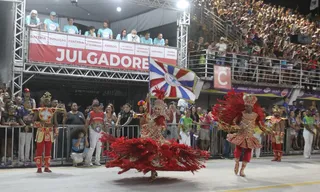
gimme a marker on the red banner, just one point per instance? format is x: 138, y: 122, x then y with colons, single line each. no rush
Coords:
x: 222, y: 77
x: 94, y: 52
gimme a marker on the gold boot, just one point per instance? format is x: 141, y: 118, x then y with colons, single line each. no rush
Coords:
x: 236, y: 167
x: 244, y: 164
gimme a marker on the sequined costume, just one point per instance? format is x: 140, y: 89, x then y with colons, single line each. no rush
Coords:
x: 277, y: 125
x: 46, y: 131
x: 241, y: 114
x: 152, y: 152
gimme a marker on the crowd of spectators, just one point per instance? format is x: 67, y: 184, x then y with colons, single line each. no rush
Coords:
x: 267, y: 29
x: 51, y: 25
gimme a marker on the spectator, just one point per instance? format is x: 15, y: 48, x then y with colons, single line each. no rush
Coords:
x: 196, y: 119
x: 32, y: 20
x: 122, y: 36
x: 91, y: 32
x: 257, y: 134
x: 182, y: 105
x: 25, y: 135
x: 111, y: 117
x: 222, y: 51
x: 95, y: 123
x: 75, y: 117
x: 146, y: 39
x: 166, y: 43
x: 124, y: 119
x: 105, y: 32
x: 185, y: 128
x: 204, y: 132
x: 51, y: 25
x: 70, y: 28
x: 80, y: 145
x: 200, y: 44
x: 159, y: 40
x: 133, y: 37
x: 308, y: 133
x: 174, y: 118
x: 294, y: 130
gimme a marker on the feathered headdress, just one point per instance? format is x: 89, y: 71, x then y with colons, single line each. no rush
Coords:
x: 249, y: 99
x: 160, y: 94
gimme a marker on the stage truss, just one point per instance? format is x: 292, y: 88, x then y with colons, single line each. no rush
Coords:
x: 20, y: 67
x: 96, y: 73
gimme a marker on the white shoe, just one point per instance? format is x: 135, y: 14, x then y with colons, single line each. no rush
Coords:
x: 88, y: 164
x: 97, y: 163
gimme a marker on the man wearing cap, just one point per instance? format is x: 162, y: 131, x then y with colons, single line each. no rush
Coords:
x: 33, y: 20
x: 222, y: 50
x: 51, y: 25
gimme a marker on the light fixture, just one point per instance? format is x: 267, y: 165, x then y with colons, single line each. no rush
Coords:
x: 119, y: 9
x: 182, y: 4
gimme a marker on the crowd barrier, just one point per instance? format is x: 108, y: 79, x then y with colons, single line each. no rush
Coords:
x: 254, y: 68
x: 12, y: 147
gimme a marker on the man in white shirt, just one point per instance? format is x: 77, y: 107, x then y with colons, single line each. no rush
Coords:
x: 182, y: 105
x: 222, y: 51
x: 133, y: 37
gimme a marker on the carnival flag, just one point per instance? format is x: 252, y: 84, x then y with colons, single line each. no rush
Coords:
x: 314, y: 4
x: 176, y: 82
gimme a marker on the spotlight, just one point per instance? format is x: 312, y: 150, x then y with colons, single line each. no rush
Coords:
x: 182, y: 4
x: 119, y: 9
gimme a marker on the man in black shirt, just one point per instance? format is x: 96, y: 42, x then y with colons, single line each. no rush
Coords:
x: 75, y: 117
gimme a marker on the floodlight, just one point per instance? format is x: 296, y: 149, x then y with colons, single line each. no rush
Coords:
x: 183, y: 4
x: 119, y: 9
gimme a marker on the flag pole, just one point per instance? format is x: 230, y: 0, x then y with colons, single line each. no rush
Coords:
x: 149, y: 93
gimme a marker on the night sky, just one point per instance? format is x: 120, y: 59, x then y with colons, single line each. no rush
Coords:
x: 304, y: 5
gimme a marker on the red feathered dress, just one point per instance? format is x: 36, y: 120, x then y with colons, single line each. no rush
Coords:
x: 231, y: 116
x: 152, y: 152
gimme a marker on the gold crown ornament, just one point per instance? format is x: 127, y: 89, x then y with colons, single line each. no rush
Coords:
x: 249, y: 99
x: 46, y: 96
x: 276, y: 109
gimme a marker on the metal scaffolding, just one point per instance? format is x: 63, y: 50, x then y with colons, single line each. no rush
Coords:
x: 20, y: 67
x: 96, y: 73
x: 18, y: 46
x: 183, y: 23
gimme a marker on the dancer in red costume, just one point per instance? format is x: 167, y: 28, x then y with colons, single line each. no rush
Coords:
x: 47, y: 129
x: 152, y: 152
x: 240, y: 113
x: 277, y: 125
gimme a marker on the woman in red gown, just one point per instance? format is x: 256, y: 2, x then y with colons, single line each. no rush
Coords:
x: 152, y: 152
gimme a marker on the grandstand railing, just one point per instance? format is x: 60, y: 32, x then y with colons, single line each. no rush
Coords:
x: 221, y: 28
x: 256, y: 69
x: 10, y: 143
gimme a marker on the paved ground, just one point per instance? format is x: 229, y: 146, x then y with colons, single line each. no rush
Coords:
x: 293, y: 174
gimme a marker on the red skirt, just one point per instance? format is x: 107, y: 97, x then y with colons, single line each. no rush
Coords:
x: 147, y: 155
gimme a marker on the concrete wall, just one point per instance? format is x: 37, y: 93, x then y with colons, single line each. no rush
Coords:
x: 6, y: 40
